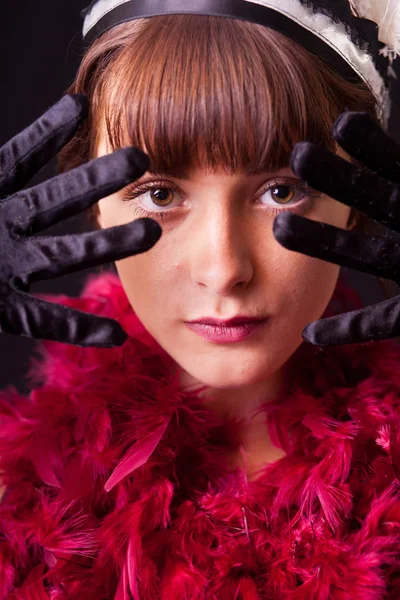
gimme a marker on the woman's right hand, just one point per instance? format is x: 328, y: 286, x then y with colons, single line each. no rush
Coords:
x: 25, y: 258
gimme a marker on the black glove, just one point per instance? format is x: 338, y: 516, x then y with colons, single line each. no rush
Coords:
x: 25, y: 259
x: 373, y: 190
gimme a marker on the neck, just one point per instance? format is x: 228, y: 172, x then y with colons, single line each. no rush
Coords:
x: 256, y: 449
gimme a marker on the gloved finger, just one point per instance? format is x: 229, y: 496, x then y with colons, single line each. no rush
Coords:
x: 377, y: 322
x: 376, y: 255
x: 70, y: 193
x: 30, y: 150
x: 359, y: 135
x: 356, y: 187
x: 60, y: 255
x: 32, y: 317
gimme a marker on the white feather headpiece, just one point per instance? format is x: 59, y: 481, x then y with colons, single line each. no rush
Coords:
x: 386, y: 13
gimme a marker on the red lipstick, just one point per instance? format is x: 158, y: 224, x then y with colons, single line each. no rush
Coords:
x: 228, y: 331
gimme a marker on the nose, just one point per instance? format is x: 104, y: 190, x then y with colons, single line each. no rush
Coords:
x: 220, y: 252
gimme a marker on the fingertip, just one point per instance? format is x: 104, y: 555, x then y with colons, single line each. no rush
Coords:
x: 74, y: 105
x: 147, y: 232
x: 310, y: 335
x: 130, y: 162
x: 349, y: 123
x: 109, y: 334
x: 82, y: 102
x: 281, y: 224
x: 140, y: 160
x: 322, y: 333
x: 299, y: 154
x: 285, y: 226
x: 119, y: 338
x: 278, y: 231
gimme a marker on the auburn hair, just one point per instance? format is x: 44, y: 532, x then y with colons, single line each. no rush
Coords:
x: 206, y: 91
x: 197, y: 91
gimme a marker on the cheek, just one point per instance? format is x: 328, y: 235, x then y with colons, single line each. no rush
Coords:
x: 145, y: 276
x: 310, y: 282
x: 152, y: 281
x: 306, y: 287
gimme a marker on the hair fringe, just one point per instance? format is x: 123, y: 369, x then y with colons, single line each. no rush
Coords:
x: 150, y: 81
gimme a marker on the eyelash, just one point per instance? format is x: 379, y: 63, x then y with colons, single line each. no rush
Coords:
x: 164, y: 214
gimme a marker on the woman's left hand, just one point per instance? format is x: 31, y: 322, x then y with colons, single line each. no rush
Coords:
x: 373, y: 190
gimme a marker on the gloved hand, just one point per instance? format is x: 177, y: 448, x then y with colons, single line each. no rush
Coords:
x: 373, y: 190
x: 25, y: 258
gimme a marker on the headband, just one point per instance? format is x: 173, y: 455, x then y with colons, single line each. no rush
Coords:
x: 338, y: 31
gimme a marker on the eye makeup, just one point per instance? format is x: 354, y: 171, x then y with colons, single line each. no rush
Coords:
x: 299, y: 190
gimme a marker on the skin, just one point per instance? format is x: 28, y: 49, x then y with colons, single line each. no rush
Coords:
x: 218, y: 257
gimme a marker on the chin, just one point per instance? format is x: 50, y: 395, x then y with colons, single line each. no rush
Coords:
x: 227, y: 374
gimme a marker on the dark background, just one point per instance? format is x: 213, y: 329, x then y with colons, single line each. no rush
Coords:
x: 40, y: 49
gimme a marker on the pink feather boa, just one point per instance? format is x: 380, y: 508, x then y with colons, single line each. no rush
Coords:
x: 117, y: 484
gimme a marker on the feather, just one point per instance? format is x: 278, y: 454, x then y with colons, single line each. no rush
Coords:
x: 247, y: 589
x: 122, y: 590
x: 386, y: 13
x: 131, y: 562
x: 137, y: 456
x: 33, y: 587
x: 127, y: 587
x: 322, y: 522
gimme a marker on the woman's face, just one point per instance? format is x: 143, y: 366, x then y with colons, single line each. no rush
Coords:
x: 217, y: 258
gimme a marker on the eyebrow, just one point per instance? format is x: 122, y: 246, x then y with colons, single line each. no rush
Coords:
x: 184, y: 174
x: 175, y: 174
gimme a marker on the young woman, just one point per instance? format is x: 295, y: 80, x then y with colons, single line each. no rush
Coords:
x: 188, y: 441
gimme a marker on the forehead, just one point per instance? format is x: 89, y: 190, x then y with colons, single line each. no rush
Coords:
x: 193, y: 174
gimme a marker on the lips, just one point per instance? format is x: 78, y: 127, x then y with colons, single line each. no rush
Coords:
x: 225, y: 332
x: 238, y: 320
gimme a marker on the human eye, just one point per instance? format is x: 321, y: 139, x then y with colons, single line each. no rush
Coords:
x: 156, y: 200
x: 287, y: 194
x: 160, y: 199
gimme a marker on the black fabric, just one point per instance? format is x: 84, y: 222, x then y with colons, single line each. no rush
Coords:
x: 26, y: 258
x: 363, y: 32
x: 374, y: 190
x: 85, y: 11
